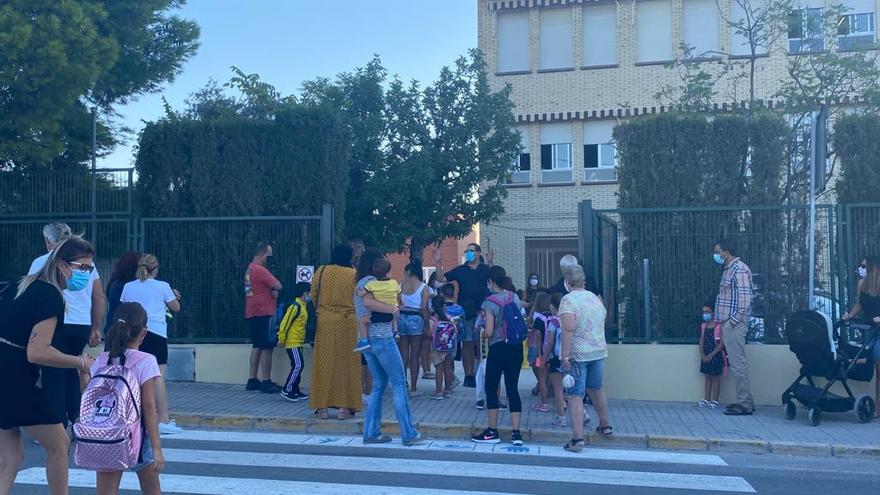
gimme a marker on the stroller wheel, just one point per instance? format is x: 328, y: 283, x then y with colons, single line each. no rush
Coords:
x: 865, y: 408
x: 815, y: 416
x: 790, y: 410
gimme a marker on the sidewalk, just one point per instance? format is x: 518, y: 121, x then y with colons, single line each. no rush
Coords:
x: 637, y: 424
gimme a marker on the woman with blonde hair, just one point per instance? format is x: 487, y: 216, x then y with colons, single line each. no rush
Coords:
x: 157, y: 298
x: 29, y: 318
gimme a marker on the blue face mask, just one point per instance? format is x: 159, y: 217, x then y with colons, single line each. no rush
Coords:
x: 707, y: 317
x: 718, y: 258
x: 78, y: 280
x: 470, y: 256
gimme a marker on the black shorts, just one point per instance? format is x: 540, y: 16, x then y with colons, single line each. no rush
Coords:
x: 157, y: 346
x: 258, y: 328
x: 554, y: 365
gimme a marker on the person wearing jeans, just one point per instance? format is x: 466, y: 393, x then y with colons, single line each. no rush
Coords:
x: 384, y: 362
x: 732, y: 311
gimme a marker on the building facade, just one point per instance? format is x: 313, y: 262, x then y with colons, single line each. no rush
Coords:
x: 577, y: 68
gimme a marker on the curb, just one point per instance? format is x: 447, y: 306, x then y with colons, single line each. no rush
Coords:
x: 459, y: 431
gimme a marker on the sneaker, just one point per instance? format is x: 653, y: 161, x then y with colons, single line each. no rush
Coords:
x: 413, y: 441
x: 541, y: 408
x: 560, y: 421
x: 703, y: 403
x: 516, y: 438
x: 290, y: 397
x: 362, y: 345
x: 502, y: 406
x: 481, y: 404
x: 713, y: 404
x: 436, y: 396
x: 169, y: 428
x: 487, y: 436
x: 302, y: 396
x: 470, y: 381
x: 267, y: 387
x: 252, y: 385
x: 379, y: 439
x: 447, y: 395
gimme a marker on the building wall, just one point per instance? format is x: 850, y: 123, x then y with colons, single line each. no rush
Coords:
x: 580, y: 96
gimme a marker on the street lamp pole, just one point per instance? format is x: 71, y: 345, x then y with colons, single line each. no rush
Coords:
x: 94, y: 173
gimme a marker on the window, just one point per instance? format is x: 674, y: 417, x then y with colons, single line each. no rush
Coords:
x: 556, y: 153
x: 600, y: 35
x: 555, y: 40
x: 599, y: 153
x: 513, y: 42
x: 855, y: 31
x: 701, y: 27
x: 654, y: 31
x: 522, y: 166
x: 739, y: 41
x: 805, y: 28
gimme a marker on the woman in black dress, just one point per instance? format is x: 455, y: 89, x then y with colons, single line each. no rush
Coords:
x: 867, y: 307
x: 29, y: 315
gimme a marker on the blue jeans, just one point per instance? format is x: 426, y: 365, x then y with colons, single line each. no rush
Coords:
x: 386, y: 367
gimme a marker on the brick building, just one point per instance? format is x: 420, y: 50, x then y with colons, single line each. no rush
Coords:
x: 577, y: 68
x: 452, y: 250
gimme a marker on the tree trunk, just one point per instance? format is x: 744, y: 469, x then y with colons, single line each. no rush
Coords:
x: 416, y: 248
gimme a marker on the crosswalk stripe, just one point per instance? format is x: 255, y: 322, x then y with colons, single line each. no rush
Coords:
x: 211, y: 485
x: 455, y: 446
x: 463, y: 469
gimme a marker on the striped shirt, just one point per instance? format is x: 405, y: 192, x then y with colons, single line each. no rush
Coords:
x: 734, y: 300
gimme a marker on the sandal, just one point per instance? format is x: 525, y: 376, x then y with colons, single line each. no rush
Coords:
x: 428, y: 376
x: 605, y: 430
x: 575, y: 445
x: 322, y: 414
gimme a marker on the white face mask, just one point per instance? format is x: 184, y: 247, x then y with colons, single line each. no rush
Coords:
x: 863, y: 272
x: 533, y: 282
x: 437, y: 285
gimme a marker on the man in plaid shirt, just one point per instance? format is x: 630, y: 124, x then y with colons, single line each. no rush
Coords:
x: 732, y: 310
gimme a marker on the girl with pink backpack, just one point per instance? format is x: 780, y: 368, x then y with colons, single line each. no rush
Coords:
x: 118, y: 428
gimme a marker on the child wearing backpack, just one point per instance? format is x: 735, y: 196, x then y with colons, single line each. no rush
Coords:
x: 292, y: 337
x: 552, y: 352
x: 540, y: 318
x: 506, y: 330
x: 444, y: 337
x: 118, y: 428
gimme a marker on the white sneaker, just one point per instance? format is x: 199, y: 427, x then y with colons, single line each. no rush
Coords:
x: 169, y: 428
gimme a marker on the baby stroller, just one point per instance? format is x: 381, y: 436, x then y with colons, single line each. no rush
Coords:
x: 824, y: 351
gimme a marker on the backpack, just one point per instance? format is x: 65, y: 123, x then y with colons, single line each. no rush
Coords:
x: 275, y: 322
x: 553, y: 326
x: 514, y: 326
x: 444, y: 335
x: 109, y: 432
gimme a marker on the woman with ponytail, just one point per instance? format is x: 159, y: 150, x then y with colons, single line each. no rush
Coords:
x: 157, y: 298
x: 29, y: 317
x: 126, y: 334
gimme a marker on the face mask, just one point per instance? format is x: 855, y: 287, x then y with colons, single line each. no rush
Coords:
x: 437, y: 285
x: 470, y: 256
x: 533, y: 282
x: 307, y: 299
x: 78, y: 280
x: 707, y: 317
x: 718, y: 258
x: 863, y: 272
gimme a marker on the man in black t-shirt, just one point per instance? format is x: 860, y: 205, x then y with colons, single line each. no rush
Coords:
x: 470, y: 281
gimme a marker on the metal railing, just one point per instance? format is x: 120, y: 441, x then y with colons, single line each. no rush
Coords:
x: 40, y: 193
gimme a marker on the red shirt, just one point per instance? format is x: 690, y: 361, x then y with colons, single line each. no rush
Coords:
x: 258, y: 286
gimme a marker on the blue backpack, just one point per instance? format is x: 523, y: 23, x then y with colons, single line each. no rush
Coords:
x: 514, y: 326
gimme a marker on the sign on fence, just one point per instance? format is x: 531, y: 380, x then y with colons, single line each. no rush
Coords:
x: 304, y: 273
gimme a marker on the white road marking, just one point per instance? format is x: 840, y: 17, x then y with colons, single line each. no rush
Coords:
x: 463, y: 469
x: 655, y: 456
x: 211, y: 485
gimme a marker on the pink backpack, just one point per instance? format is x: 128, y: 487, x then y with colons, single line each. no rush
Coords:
x: 109, y: 433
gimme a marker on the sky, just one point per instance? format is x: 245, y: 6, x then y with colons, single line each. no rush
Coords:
x: 287, y: 42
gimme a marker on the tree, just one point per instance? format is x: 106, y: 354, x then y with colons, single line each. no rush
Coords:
x: 57, y: 59
x: 427, y: 164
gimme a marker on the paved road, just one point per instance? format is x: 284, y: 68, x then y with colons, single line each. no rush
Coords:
x: 228, y: 463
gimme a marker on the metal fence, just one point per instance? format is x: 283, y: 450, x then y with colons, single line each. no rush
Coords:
x: 656, y: 270
x: 38, y: 193
x: 859, y: 233
x: 206, y: 258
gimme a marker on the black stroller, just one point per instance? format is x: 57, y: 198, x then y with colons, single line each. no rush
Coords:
x: 824, y: 351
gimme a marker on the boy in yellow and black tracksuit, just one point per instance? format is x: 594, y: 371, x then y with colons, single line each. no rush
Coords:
x: 292, y: 336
